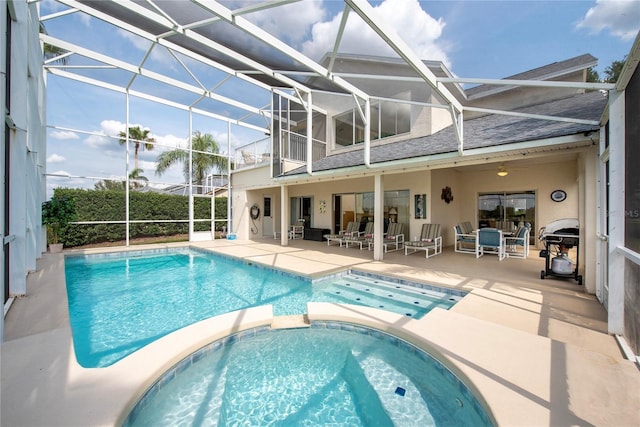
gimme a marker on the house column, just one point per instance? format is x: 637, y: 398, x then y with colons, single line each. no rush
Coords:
x: 284, y: 215
x: 378, y: 219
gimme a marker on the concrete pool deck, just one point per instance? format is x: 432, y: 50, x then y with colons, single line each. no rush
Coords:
x: 536, y: 350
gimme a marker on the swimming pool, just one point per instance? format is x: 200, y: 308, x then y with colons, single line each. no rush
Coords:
x: 330, y: 374
x: 120, y: 302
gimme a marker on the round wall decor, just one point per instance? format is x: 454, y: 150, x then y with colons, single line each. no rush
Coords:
x: 558, y: 195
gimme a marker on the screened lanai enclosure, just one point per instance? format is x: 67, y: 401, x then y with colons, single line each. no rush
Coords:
x: 212, y: 72
x: 203, y: 108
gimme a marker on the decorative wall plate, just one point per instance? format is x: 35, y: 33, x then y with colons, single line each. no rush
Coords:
x: 558, y: 195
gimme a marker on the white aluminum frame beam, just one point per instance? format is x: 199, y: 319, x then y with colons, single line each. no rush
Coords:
x: 138, y: 70
x: 142, y: 95
x: 163, y: 42
x: 530, y: 83
x: 245, y: 25
x: 533, y: 116
x: 336, y: 44
x: 368, y: 15
x: 172, y: 29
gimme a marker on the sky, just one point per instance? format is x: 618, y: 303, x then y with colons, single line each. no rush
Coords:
x: 474, y: 39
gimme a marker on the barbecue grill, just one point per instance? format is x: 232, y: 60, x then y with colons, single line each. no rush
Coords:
x: 559, y: 237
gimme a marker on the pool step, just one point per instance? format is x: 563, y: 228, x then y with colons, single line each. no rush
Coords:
x: 364, y: 291
x: 400, y: 288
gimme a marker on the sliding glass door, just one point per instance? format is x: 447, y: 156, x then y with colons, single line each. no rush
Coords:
x: 302, y: 208
x: 507, y: 210
x: 359, y: 207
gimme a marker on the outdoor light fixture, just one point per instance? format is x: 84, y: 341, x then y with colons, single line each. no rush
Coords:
x: 502, y: 170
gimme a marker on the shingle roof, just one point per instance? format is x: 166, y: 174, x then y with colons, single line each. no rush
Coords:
x: 486, y: 131
x: 541, y: 73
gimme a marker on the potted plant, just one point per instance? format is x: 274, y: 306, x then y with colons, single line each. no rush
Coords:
x: 57, y: 213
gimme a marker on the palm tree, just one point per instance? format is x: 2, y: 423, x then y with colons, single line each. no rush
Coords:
x: 109, y: 185
x: 136, y: 182
x: 204, y: 158
x: 50, y: 51
x: 140, y: 137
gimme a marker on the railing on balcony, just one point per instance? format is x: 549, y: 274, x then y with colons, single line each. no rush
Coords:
x: 294, y: 148
x: 253, y: 154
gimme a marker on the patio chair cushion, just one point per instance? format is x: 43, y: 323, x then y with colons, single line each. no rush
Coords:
x: 428, y: 234
x: 466, y: 227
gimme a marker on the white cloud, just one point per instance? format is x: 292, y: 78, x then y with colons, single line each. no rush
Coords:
x: 147, y: 166
x: 290, y: 22
x: 170, y: 141
x: 107, y: 135
x: 63, y: 134
x: 114, y: 127
x: 620, y: 17
x: 52, y: 6
x: 55, y: 158
x: 97, y: 141
x: 416, y: 27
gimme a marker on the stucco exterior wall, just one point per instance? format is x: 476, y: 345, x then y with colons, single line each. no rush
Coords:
x: 543, y: 179
x: 465, y: 184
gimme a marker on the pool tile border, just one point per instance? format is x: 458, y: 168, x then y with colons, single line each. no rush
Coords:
x: 136, y: 252
x: 221, y: 343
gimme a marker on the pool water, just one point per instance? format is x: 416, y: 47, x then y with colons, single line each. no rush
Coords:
x: 343, y: 376
x: 119, y: 303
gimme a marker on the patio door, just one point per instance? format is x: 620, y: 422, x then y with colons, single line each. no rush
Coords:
x: 507, y: 210
x: 267, y: 217
x: 302, y: 208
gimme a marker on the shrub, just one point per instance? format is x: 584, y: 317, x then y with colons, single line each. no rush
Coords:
x: 110, y: 205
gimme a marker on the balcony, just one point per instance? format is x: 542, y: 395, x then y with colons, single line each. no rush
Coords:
x: 293, y: 148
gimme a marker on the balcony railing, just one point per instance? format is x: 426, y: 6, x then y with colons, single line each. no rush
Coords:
x: 253, y: 154
x: 294, y: 147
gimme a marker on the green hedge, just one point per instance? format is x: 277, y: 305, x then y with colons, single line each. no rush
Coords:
x: 109, y: 205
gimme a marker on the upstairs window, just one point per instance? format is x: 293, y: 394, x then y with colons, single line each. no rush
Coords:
x: 387, y: 119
